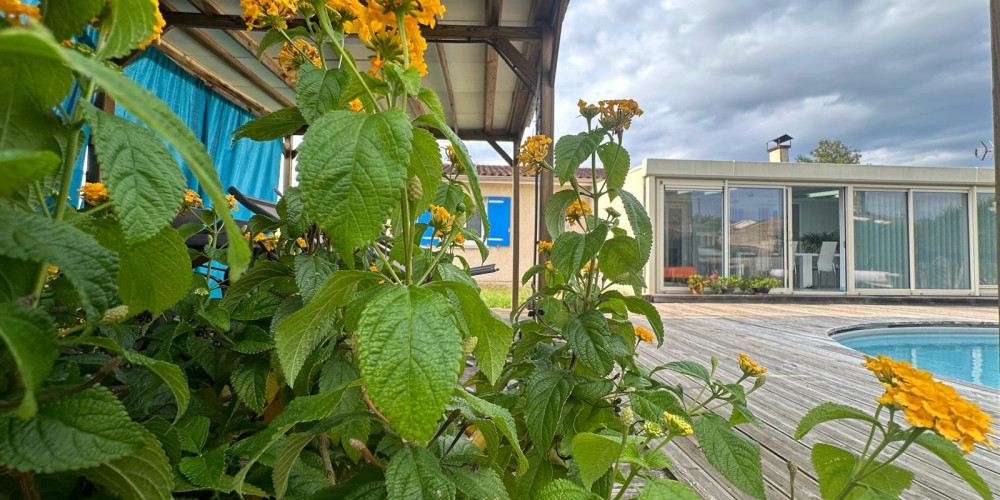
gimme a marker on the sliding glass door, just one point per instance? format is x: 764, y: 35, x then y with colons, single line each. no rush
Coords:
x: 986, y: 216
x: 881, y: 240
x: 941, y: 240
x: 693, y: 234
x: 757, y: 232
x: 816, y: 238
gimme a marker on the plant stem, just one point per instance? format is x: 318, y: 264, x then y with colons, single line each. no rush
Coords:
x: 434, y: 263
x: 108, y: 367
x: 41, y: 199
x: 868, y: 443
x: 28, y: 489
x: 343, y: 54
x: 407, y: 238
x: 388, y: 265
x: 401, y: 26
x: 324, y: 452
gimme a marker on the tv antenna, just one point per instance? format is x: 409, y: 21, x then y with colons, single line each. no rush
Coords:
x: 987, y: 150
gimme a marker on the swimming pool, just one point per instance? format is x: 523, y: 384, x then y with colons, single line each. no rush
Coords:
x: 961, y: 352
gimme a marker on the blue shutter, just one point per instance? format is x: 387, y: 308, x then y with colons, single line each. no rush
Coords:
x: 426, y: 238
x: 498, y: 212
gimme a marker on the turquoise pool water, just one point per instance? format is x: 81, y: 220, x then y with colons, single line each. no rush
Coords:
x: 960, y: 352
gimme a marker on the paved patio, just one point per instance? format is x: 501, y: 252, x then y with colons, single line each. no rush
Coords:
x: 805, y: 368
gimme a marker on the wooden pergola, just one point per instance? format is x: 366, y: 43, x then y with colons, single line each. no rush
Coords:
x: 483, y: 99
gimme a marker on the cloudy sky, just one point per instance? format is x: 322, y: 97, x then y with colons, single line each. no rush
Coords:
x: 905, y: 81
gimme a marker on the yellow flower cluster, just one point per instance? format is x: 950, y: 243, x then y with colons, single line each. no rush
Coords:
x: 588, y: 111
x: 454, y: 160
x: 549, y: 266
x: 357, y: 106
x: 544, y: 247
x: 577, y: 211
x: 372, y: 268
x: 677, y: 425
x: 13, y: 10
x: 750, y: 367
x: 192, y: 200
x: 644, y: 334
x: 531, y: 155
x: 617, y: 114
x: 587, y: 268
x: 375, y: 24
x: 157, y: 27
x: 268, y: 241
x: 290, y: 58
x: 301, y: 242
x: 441, y: 221
x: 94, y: 193
x: 931, y: 404
x: 459, y: 238
x: 233, y: 206
x: 268, y: 13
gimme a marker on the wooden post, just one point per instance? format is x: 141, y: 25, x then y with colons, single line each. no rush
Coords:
x: 545, y: 181
x: 286, y: 155
x: 515, y: 229
x: 995, y: 58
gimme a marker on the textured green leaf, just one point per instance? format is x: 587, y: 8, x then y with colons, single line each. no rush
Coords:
x: 571, y: 251
x: 311, y: 271
x: 619, y: 256
x: 572, y: 150
x: 480, y: 484
x: 650, y: 405
x: 425, y: 164
x: 253, y: 340
x: 410, y: 354
x: 20, y: 168
x: 156, y: 273
x: 166, y: 434
x: 352, y: 167
x: 75, y: 431
x: 261, y: 304
x: 127, y: 24
x: 666, y: 489
x: 503, y: 420
x: 264, y: 275
x: 588, y: 334
x: 433, y: 101
x: 409, y: 77
x: 288, y: 454
x: 249, y: 380
x: 632, y: 454
x: 689, y: 368
x: 640, y: 305
x: 494, y: 336
x: 33, y: 83
x: 318, y: 91
x: 951, y: 455
x: 642, y: 228
x: 90, y: 267
x: 142, y: 475
x: 826, y: 412
x: 616, y: 164
x: 29, y: 335
x: 835, y: 466
x: 564, y: 489
x: 143, y: 179
x: 555, y: 211
x: 546, y: 391
x: 292, y: 211
x: 414, y: 473
x: 594, y: 455
x: 192, y: 433
x: 274, y: 37
x: 206, y: 469
x: 275, y: 125
x: 298, y: 335
x: 736, y: 457
x: 170, y: 373
x: 66, y: 18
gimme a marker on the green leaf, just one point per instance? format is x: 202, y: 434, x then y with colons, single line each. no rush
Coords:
x: 572, y: 150
x: 192, y: 433
x: 249, y: 381
x: 639, y: 305
x: 171, y: 375
x: 292, y: 211
x: 143, y: 179
x: 425, y: 164
x: 90, y: 267
x: 253, y: 340
x: 206, y: 469
x: 409, y: 78
x: 264, y: 275
x: 689, y: 368
x: 564, y: 489
x: 274, y: 37
x: 594, y: 455
x: 66, y: 18
x: 311, y: 271
x: 502, y: 418
x: 546, y: 391
x: 29, y: 335
x: 827, y: 412
x: 736, y: 457
x: 633, y: 454
x: 619, y: 256
x: 951, y: 455
x: 650, y: 405
x: 555, y: 211
x: 588, y: 334
x: 642, y: 228
x: 82, y: 429
x: 414, y: 473
x: 433, y: 101
x: 480, y: 484
x: 276, y: 125
x: 288, y: 454
x: 616, y: 163
x: 439, y: 123
x: 494, y: 336
x: 298, y: 335
x: 142, y: 475
x: 20, y: 168
x: 317, y: 91
x: 127, y: 24
x: 666, y: 489
x: 352, y: 167
x: 410, y: 353
x: 835, y: 466
x: 156, y: 273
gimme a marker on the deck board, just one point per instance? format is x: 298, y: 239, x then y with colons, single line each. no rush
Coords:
x: 805, y: 368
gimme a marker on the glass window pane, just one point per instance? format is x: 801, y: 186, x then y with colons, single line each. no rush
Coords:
x: 987, y: 217
x: 693, y: 229
x: 941, y: 240
x: 475, y: 224
x: 881, y: 240
x: 757, y: 232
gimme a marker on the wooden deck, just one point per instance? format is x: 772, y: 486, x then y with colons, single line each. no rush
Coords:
x: 805, y: 368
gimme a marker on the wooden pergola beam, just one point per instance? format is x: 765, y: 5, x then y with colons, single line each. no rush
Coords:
x: 447, y: 82
x: 210, y: 79
x: 481, y: 135
x: 493, y: 10
x: 503, y: 153
x: 438, y: 33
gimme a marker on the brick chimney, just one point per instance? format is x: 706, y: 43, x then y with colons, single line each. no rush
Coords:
x: 777, y: 148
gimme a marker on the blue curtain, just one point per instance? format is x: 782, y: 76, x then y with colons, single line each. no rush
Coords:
x: 253, y: 167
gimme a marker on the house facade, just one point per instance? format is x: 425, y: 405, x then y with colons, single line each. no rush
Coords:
x: 821, y: 229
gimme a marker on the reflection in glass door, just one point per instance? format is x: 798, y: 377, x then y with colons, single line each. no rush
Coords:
x: 881, y: 240
x: 986, y: 215
x: 941, y: 240
x: 693, y: 234
x: 757, y: 232
x: 816, y: 248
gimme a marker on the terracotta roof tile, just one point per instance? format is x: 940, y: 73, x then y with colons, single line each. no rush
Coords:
x: 505, y: 171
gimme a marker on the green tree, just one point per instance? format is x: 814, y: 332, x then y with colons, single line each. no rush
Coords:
x: 828, y: 151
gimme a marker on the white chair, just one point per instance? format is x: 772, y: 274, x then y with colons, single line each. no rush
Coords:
x: 825, y: 262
